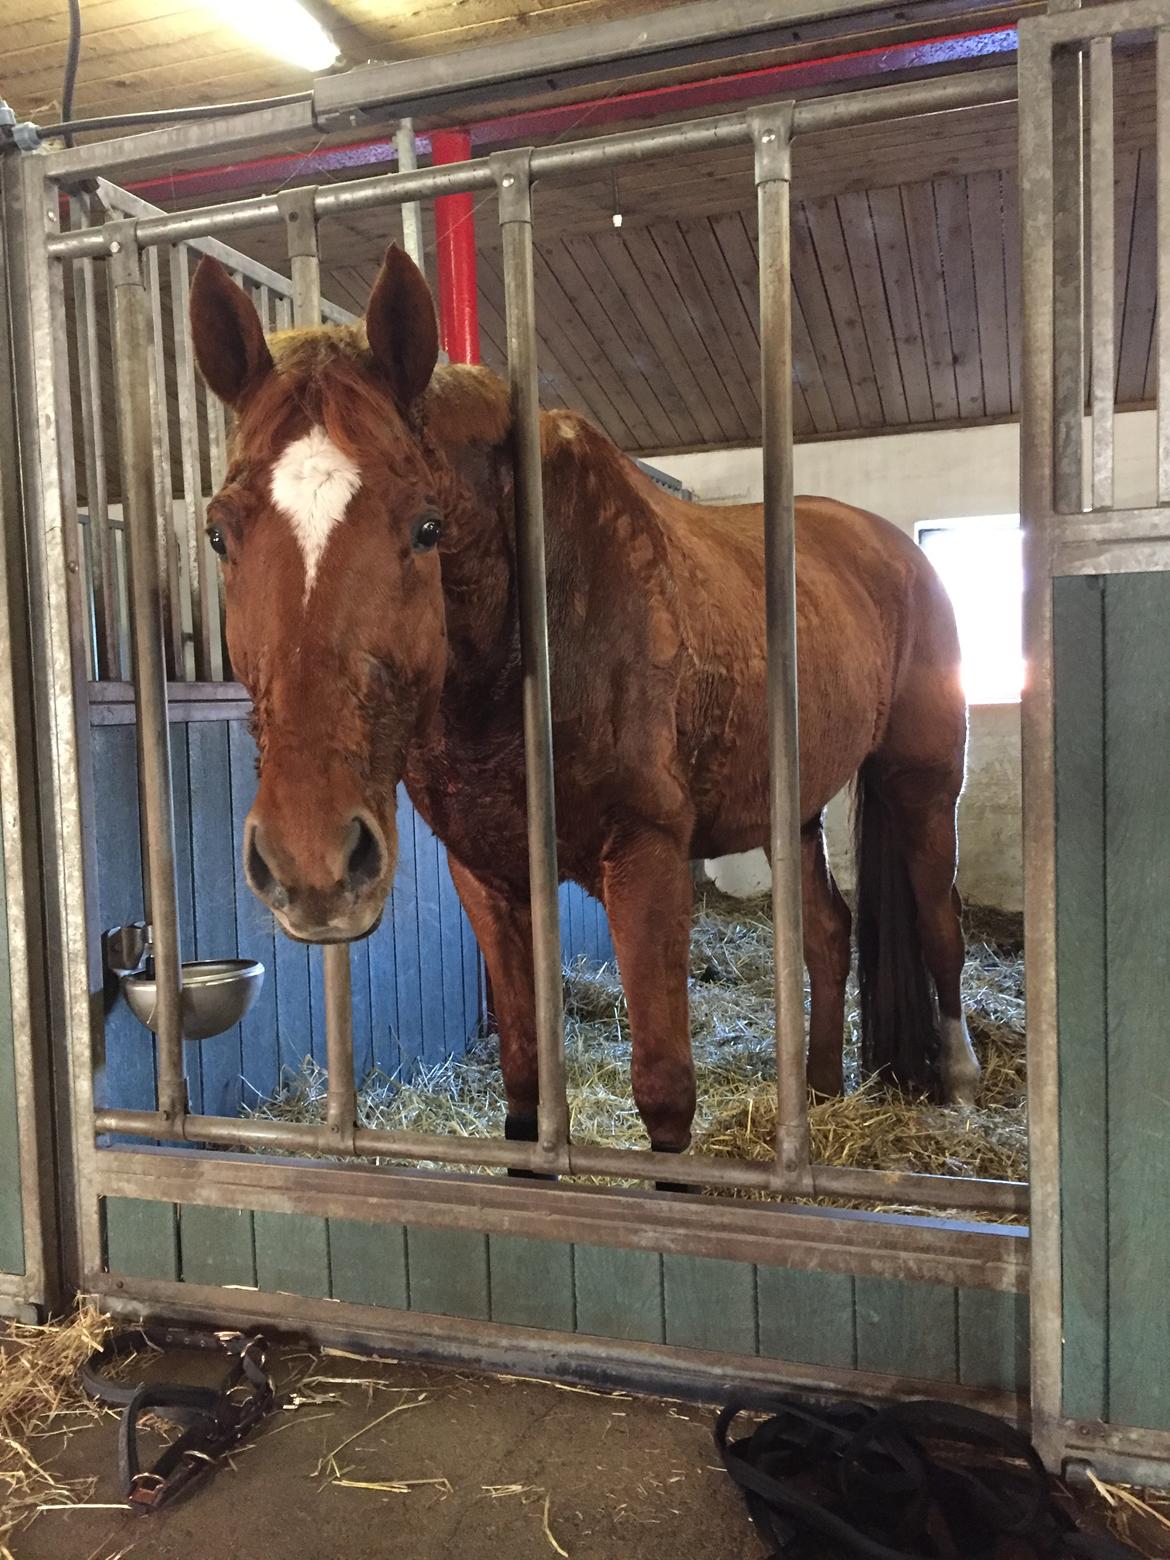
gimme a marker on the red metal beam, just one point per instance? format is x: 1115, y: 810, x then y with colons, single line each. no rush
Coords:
x: 455, y: 246
x: 565, y: 119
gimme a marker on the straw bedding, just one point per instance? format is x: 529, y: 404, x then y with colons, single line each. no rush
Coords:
x: 731, y: 1027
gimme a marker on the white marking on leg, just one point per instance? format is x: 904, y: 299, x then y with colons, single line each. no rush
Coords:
x: 312, y: 484
x: 959, y: 1064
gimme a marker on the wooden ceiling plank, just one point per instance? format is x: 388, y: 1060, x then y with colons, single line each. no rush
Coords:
x: 567, y: 382
x: 634, y: 374
x: 692, y: 286
x: 739, y: 319
x: 889, y: 228
x: 861, y: 247
x: 658, y: 279
x: 954, y: 228
x: 817, y: 312
x: 926, y: 265
x: 555, y: 308
x: 985, y: 206
x: 828, y: 253
x: 1012, y: 285
x: 627, y: 320
x: 1140, y: 289
x: 614, y: 252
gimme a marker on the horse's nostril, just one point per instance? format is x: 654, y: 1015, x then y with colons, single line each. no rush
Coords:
x: 365, y: 856
x: 260, y: 873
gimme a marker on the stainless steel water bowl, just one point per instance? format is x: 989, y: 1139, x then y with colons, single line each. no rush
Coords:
x: 216, y: 995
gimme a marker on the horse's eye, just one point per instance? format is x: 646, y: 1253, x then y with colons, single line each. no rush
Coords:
x: 218, y: 545
x: 426, y: 533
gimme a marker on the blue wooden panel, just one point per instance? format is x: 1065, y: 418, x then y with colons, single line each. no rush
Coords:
x: 458, y: 1019
x: 11, y: 1202
x: 406, y: 938
x: 255, y: 937
x: 384, y: 993
x: 430, y: 942
x: 215, y: 874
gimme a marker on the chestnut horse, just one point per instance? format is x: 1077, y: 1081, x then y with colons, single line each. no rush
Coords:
x: 366, y: 528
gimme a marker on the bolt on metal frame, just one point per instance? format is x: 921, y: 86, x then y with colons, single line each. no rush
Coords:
x: 1072, y: 526
x: 138, y: 232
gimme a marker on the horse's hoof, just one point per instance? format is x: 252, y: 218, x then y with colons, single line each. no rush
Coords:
x: 523, y: 1129
x: 673, y: 1186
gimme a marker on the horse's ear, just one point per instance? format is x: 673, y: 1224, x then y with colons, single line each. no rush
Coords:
x: 401, y: 326
x: 229, y: 342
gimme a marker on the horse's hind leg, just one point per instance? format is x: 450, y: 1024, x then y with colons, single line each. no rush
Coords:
x: 826, y: 955
x: 924, y: 804
x: 503, y: 928
x: 646, y: 885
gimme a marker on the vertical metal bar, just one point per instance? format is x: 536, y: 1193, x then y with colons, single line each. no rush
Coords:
x: 164, y: 496
x: 1037, y: 495
x: 200, y: 580
x: 300, y: 220
x: 103, y: 584
x: 1162, y: 111
x: 283, y: 313
x: 1068, y: 260
x: 131, y: 334
x: 300, y: 225
x: 772, y: 131
x: 513, y: 178
x: 411, y: 209
x: 264, y: 306
x: 1101, y: 251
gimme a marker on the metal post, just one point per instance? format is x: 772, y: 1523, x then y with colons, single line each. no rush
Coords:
x: 131, y: 334
x: 1101, y: 250
x: 411, y: 209
x: 164, y: 496
x: 1068, y: 261
x: 297, y: 207
x: 201, y: 582
x: 513, y: 177
x: 455, y: 246
x: 1162, y: 113
x: 772, y: 132
x: 300, y: 222
x: 1037, y: 445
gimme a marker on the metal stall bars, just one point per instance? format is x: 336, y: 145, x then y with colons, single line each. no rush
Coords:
x: 111, y: 1168
x: 1074, y: 527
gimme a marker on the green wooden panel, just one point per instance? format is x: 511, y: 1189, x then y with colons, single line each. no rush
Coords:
x: 1079, y: 630
x: 368, y: 1263
x: 216, y: 1245
x: 619, y: 1293
x: 906, y: 1329
x: 11, y: 1204
x: 448, y: 1272
x: 710, y: 1303
x: 292, y: 1254
x: 1137, y: 821
x: 141, y: 1238
x: 806, y: 1317
x: 532, y: 1282
x: 993, y: 1340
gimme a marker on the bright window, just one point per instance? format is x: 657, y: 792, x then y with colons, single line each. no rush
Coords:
x: 980, y: 562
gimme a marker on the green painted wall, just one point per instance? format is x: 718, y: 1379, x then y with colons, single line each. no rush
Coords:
x: 1112, y: 669
x: 928, y: 1332
x: 11, y: 1212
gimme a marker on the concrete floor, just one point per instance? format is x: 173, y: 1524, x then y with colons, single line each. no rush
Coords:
x: 479, y: 1457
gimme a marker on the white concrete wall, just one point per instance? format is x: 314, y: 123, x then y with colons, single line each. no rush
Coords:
x: 914, y: 477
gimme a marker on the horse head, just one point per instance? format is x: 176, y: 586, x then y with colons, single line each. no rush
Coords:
x: 329, y: 527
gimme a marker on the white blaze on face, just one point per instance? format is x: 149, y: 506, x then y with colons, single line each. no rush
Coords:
x: 312, y: 484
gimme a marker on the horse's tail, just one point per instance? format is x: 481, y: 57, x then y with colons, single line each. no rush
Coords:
x: 899, y: 1012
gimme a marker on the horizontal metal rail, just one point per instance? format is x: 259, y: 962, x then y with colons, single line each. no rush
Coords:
x: 813, y: 115
x: 905, y: 1188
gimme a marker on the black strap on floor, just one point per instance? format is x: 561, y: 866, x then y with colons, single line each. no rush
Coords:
x: 909, y: 1481
x: 212, y: 1420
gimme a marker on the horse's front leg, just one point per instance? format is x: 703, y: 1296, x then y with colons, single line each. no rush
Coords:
x: 646, y: 885
x: 503, y: 929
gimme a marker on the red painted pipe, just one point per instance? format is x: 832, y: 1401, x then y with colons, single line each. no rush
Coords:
x: 455, y: 242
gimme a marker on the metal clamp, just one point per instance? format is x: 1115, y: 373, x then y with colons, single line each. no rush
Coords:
x: 298, y: 212
x: 125, y: 255
x: 513, y: 175
x: 771, y: 130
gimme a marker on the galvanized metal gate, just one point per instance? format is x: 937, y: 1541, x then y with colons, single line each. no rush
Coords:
x: 609, y: 1283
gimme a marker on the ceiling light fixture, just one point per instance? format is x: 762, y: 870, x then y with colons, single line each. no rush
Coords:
x: 283, y: 27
